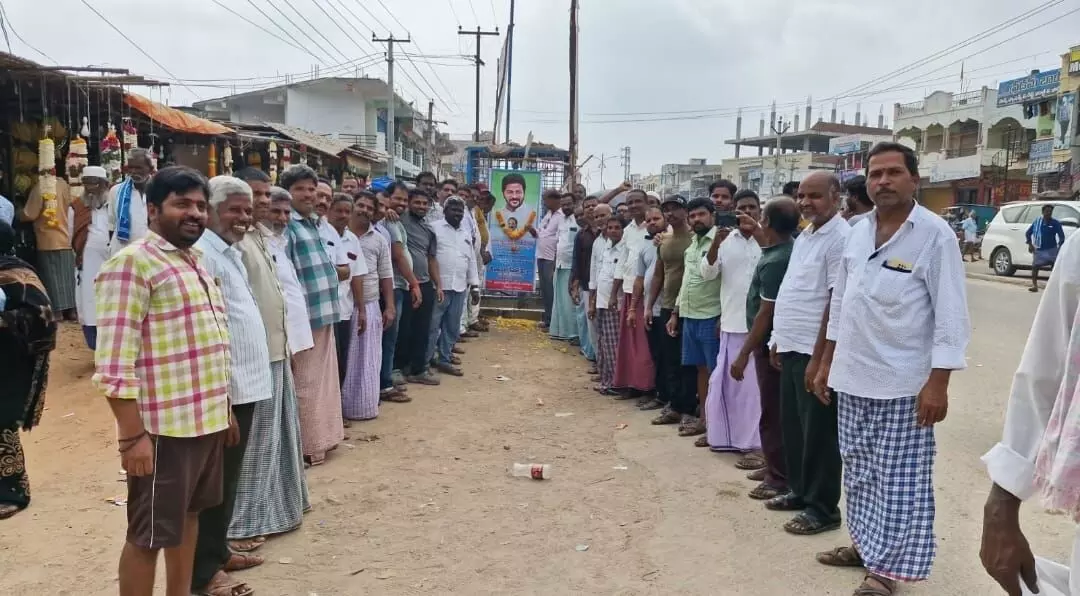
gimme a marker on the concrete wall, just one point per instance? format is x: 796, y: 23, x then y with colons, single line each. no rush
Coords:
x: 326, y: 110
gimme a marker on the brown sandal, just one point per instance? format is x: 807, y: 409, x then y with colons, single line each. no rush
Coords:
x: 841, y: 556
x: 764, y: 492
x: 223, y: 585
x: 881, y: 586
x: 751, y: 461
x: 8, y: 510
x: 702, y: 441
x: 241, y: 561
x: 247, y: 545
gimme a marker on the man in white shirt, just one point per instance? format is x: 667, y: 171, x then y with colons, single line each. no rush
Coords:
x: 809, y: 425
x: 456, y: 256
x: 249, y: 368
x: 344, y: 247
x: 600, y: 215
x: 563, y: 317
x: 646, y: 294
x: 635, y: 371
x: 603, y: 287
x: 128, y: 218
x: 733, y: 408
x: 1038, y: 451
x: 898, y: 326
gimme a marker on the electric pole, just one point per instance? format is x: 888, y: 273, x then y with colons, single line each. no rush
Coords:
x: 625, y: 158
x: 573, y: 93
x: 429, y: 131
x: 779, y: 128
x: 478, y: 34
x: 509, y: 66
x: 391, y: 140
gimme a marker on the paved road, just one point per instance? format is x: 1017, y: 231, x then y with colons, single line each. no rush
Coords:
x: 430, y: 508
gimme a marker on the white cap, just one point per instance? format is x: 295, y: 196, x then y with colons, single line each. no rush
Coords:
x: 95, y: 172
x: 653, y: 194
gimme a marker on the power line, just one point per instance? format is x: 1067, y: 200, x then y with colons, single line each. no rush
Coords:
x: 283, y: 80
x: 312, y: 26
x: 294, y: 43
x: 473, y: 9
x: 137, y: 46
x: 956, y: 46
x: 342, y: 67
x: 337, y: 24
x: 5, y: 24
x: 420, y: 49
x: 454, y: 10
x: 494, y: 17
x: 293, y: 23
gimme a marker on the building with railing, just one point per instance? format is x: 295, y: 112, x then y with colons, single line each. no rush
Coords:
x: 348, y: 110
x: 971, y: 151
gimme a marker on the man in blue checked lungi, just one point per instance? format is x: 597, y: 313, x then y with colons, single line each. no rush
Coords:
x: 897, y: 328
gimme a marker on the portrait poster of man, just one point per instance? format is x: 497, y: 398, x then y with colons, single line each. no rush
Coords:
x: 512, y: 228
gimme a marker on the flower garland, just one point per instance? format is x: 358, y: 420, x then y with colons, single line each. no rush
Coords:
x: 519, y: 233
x: 226, y: 161
x: 47, y: 172
x: 110, y: 154
x: 131, y: 135
x: 272, y: 150
x: 76, y: 161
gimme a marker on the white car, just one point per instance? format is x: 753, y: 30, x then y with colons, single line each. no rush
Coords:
x: 1004, y: 245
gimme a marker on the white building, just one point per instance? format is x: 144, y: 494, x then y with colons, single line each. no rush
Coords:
x: 970, y: 151
x: 349, y: 110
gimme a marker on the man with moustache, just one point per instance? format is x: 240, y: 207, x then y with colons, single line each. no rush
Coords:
x: 588, y: 262
x: 127, y: 210
x: 634, y: 369
x: 163, y: 365
x: 416, y: 321
x: 722, y: 193
x: 799, y: 322
x: 675, y: 382
x: 315, y: 370
x: 407, y: 294
x: 455, y: 278
x: 645, y: 269
x: 271, y: 494
x: 563, y: 316
x: 249, y: 373
x: 349, y: 184
x: 579, y: 274
x: 324, y: 193
x: 898, y: 326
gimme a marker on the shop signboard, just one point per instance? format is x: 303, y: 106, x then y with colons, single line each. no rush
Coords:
x: 1030, y: 88
x: 1074, y: 63
x: 958, y: 168
x: 1040, y: 166
x: 1042, y: 149
x: 845, y: 144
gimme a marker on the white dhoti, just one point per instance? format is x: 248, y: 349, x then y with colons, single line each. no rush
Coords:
x: 1056, y: 579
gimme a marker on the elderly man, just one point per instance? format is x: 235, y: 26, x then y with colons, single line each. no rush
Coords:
x: 249, y: 372
x: 587, y: 246
x: 127, y: 201
x: 95, y: 247
x: 810, y: 443
x: 897, y: 328
x: 563, y: 317
x: 315, y: 370
x: 635, y: 371
x: 271, y: 495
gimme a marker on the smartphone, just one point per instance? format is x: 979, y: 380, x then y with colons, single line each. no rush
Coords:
x: 726, y: 219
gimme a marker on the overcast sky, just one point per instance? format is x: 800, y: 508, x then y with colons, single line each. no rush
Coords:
x: 684, y: 64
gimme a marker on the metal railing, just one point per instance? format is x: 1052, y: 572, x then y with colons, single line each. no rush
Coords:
x: 365, y: 141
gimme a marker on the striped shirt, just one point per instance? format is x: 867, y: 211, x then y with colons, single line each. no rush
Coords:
x: 163, y: 338
x: 248, y: 350
x: 377, y: 259
x: 315, y: 270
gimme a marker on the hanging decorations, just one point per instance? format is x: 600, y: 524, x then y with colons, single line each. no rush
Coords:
x: 226, y: 161
x: 211, y: 160
x: 111, y: 155
x: 303, y: 154
x: 286, y: 158
x: 76, y: 161
x: 47, y: 179
x: 85, y: 130
x: 272, y: 150
x: 131, y: 135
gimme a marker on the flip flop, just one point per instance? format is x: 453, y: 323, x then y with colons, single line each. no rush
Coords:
x: 247, y: 545
x: 763, y: 492
x: 241, y: 561
x: 805, y: 524
x: 841, y: 556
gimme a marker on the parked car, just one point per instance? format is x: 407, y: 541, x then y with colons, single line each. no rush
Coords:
x: 1004, y: 245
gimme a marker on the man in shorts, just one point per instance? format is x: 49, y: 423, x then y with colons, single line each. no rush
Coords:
x: 162, y: 362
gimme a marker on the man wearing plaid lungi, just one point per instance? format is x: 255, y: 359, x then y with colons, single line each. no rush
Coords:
x: 896, y: 329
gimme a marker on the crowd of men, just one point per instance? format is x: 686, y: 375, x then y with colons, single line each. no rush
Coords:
x: 239, y: 327
x: 811, y: 333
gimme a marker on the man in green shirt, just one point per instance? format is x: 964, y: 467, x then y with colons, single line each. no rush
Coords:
x: 698, y: 307
x: 780, y: 219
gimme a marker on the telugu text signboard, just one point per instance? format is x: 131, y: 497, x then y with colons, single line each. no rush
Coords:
x: 1035, y: 86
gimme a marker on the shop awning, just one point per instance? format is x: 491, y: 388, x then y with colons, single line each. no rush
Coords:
x: 324, y: 144
x: 173, y: 118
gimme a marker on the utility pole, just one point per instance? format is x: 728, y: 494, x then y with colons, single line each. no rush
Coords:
x: 478, y: 34
x: 574, y: 93
x: 779, y: 128
x: 391, y: 140
x: 509, y: 66
x: 626, y: 162
x: 429, y: 130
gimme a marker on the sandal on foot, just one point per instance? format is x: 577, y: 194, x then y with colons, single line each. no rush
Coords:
x: 315, y: 460
x: 757, y: 475
x: 785, y: 502
x: 874, y: 585
x: 223, y: 585
x: 247, y: 545
x: 667, y: 417
x: 396, y: 397
x: 751, y: 461
x: 242, y: 561
x: 702, y: 441
x: 764, y: 492
x: 693, y: 429
x: 841, y: 556
x: 8, y: 510
x: 805, y: 524
x: 592, y: 371
x: 653, y: 404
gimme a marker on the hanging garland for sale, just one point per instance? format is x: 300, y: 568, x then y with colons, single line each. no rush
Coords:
x: 76, y: 156
x: 271, y: 149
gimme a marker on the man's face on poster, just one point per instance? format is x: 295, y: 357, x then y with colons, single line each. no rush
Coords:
x: 514, y: 195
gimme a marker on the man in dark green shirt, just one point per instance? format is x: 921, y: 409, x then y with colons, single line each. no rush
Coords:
x: 780, y: 219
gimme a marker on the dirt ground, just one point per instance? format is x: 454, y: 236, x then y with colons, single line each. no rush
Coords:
x: 429, y: 507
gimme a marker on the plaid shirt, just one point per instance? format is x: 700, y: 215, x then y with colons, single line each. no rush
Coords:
x: 163, y: 338
x: 315, y: 268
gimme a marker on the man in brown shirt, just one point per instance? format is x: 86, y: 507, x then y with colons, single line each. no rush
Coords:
x: 55, y: 259
x: 679, y: 394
